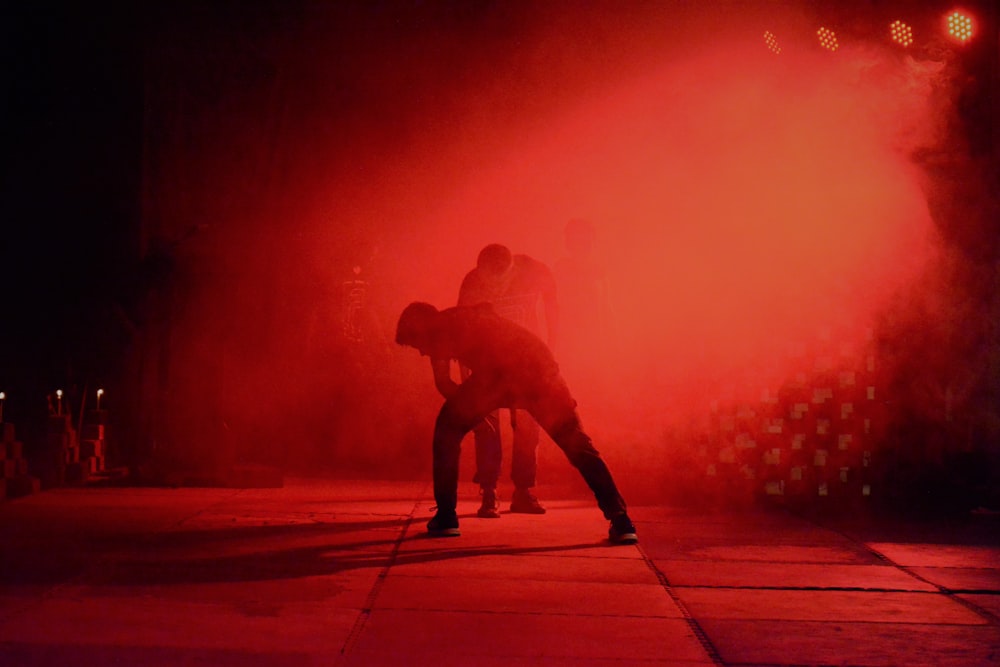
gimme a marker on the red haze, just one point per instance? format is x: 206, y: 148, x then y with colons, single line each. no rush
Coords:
x: 744, y: 203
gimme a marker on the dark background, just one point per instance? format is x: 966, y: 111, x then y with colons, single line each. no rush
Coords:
x: 73, y: 104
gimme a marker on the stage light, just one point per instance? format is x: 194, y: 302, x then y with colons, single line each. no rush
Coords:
x: 827, y: 39
x: 771, y: 41
x: 901, y: 33
x: 960, y: 26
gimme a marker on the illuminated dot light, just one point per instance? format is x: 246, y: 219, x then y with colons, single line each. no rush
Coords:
x: 772, y: 42
x: 827, y: 39
x: 960, y: 26
x: 901, y: 33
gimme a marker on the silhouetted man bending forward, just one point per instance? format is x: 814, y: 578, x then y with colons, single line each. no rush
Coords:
x: 510, y: 367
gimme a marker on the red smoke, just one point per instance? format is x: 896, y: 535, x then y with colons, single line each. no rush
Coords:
x: 746, y: 204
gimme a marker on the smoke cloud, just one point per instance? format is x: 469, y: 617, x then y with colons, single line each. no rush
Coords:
x: 747, y: 207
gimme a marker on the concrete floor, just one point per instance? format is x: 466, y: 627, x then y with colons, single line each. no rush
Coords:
x: 341, y: 573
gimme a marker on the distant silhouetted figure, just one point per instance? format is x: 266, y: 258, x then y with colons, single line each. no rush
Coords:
x: 588, y: 319
x: 508, y: 367
x: 523, y: 290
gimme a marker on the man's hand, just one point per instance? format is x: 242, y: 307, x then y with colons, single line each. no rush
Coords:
x: 447, y: 388
x: 442, y: 377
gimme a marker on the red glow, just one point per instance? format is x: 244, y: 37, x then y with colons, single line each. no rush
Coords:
x: 901, y: 33
x: 772, y: 42
x: 828, y: 39
x: 739, y: 210
x: 741, y: 202
x: 960, y: 26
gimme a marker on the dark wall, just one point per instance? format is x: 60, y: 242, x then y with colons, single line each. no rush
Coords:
x: 72, y: 105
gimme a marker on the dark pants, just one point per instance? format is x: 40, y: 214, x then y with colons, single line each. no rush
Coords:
x: 553, y: 408
x: 524, y: 450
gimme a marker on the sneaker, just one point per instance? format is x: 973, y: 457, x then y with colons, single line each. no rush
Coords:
x: 524, y: 502
x: 622, y: 531
x: 490, y: 509
x: 444, y: 524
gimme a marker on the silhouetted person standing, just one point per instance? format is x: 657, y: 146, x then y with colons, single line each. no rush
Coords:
x: 523, y: 290
x: 508, y: 366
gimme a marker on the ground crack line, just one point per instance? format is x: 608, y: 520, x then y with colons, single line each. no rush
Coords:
x: 696, y: 628
x: 362, y: 620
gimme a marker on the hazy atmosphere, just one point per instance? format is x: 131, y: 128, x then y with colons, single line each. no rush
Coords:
x: 291, y: 175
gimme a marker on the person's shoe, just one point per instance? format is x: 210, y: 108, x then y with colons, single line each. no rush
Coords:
x: 622, y: 531
x: 444, y: 524
x: 524, y: 502
x: 490, y: 508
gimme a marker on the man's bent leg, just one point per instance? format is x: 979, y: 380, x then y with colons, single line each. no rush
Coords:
x: 580, y: 451
x: 474, y: 399
x: 449, y: 429
x: 555, y: 410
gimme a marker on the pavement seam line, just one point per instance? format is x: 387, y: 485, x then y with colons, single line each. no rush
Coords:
x: 362, y: 620
x: 699, y: 632
x: 985, y: 614
x: 831, y: 589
